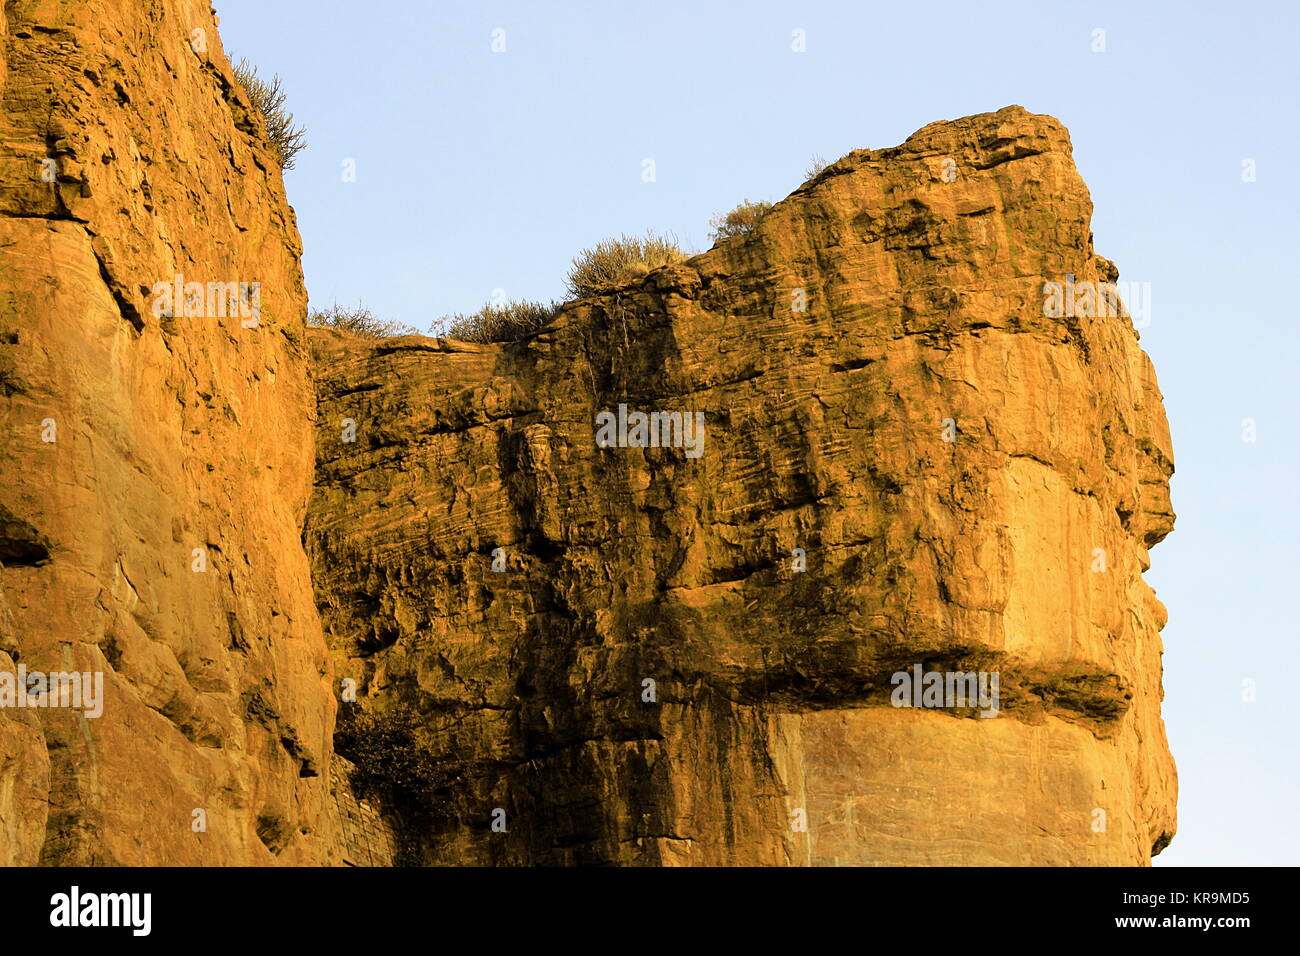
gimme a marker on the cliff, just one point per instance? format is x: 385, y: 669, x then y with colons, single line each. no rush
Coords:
x: 880, y: 388
x: 542, y: 650
x: 158, y: 454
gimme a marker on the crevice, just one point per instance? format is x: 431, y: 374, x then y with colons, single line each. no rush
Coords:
x: 21, y: 544
x: 124, y: 305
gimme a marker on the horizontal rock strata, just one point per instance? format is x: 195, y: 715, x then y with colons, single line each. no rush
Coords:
x: 686, y: 654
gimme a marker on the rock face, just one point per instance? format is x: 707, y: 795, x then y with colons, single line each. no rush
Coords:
x: 970, y: 480
x: 157, y: 459
x: 549, y: 651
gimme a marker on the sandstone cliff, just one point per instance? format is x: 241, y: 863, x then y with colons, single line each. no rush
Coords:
x: 892, y: 303
x: 134, y: 438
x: 649, y: 679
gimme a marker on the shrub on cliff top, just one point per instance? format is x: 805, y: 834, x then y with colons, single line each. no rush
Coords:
x: 739, y: 221
x: 613, y: 262
x: 359, y: 321
x: 268, y: 99
x: 506, y: 322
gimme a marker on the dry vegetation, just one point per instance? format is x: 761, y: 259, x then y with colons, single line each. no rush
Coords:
x: 268, y: 99
x: 614, y: 262
x: 359, y: 321
x: 502, y: 322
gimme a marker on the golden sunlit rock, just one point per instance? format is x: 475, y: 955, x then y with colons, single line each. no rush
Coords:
x: 645, y: 587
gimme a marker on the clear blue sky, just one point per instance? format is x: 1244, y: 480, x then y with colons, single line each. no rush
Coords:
x: 479, y: 171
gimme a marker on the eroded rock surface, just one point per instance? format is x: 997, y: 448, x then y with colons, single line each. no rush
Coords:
x: 156, y: 467
x: 893, y: 303
x: 684, y: 659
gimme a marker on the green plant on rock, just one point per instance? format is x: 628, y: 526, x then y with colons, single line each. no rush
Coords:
x: 740, y: 221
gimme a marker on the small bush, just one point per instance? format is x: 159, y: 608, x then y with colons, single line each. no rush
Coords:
x: 508, y: 322
x: 614, y: 262
x: 359, y: 321
x: 268, y: 99
x: 816, y: 166
x: 390, y: 760
x: 739, y: 221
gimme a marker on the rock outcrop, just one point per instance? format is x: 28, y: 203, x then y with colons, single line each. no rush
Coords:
x: 157, y: 459
x: 544, y: 644
x: 645, y: 677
